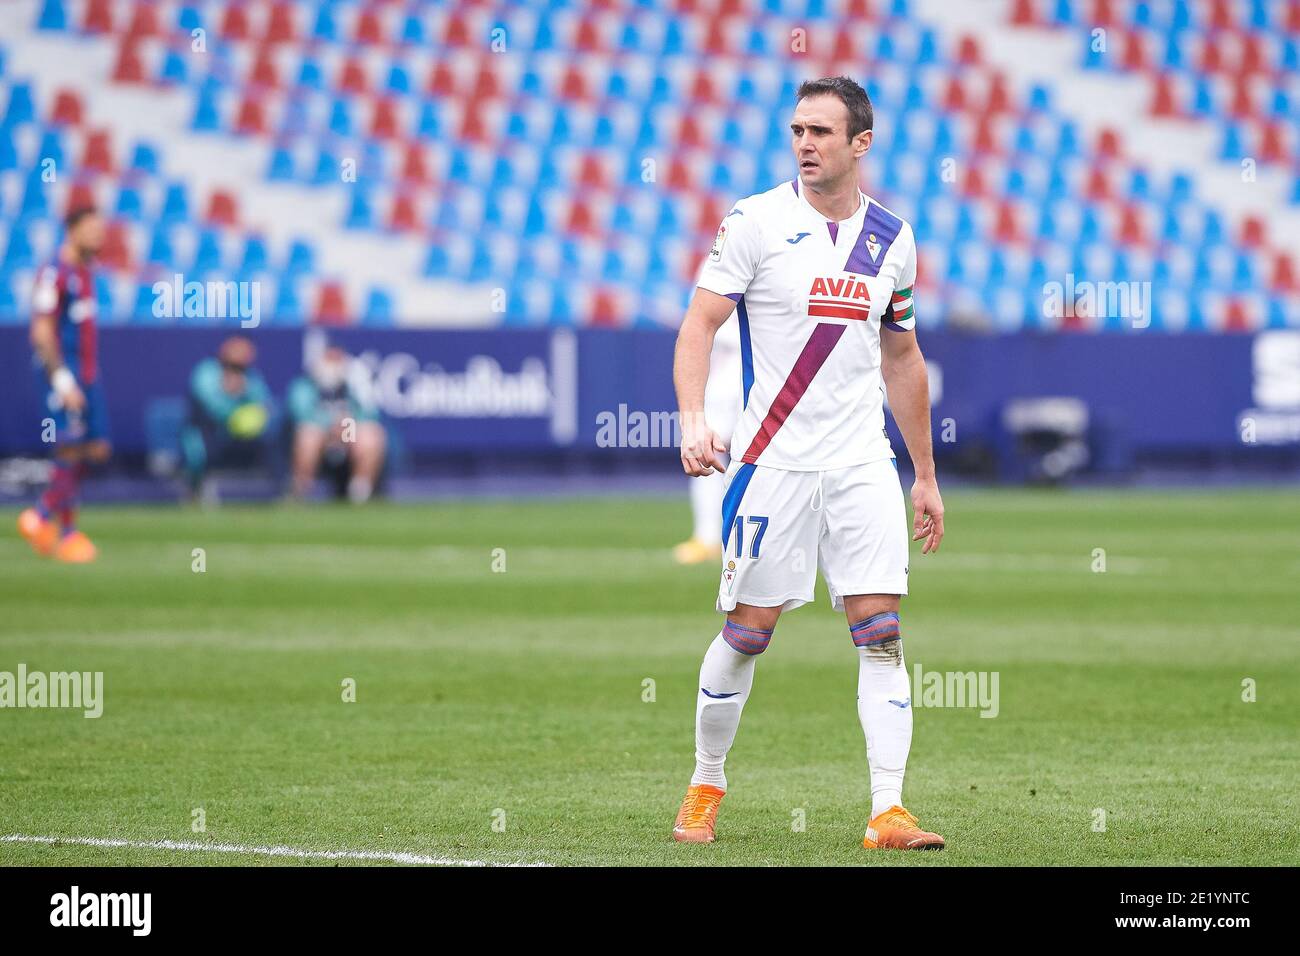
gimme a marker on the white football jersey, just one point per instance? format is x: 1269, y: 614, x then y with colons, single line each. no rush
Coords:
x: 811, y: 297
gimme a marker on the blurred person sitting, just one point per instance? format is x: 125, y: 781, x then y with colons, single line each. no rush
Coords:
x: 229, y: 422
x: 336, y: 425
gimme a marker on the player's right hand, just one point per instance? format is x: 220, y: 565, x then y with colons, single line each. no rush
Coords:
x: 69, y: 392
x: 701, y: 448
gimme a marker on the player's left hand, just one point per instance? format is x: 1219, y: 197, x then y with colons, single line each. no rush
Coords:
x: 927, y: 514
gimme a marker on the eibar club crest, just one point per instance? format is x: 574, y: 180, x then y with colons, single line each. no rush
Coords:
x: 729, y: 575
x: 873, y: 246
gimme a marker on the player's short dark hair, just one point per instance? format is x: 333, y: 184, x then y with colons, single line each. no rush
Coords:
x: 78, y: 213
x: 847, y: 91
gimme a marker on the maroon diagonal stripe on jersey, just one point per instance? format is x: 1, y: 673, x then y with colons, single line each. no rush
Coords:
x: 805, y: 368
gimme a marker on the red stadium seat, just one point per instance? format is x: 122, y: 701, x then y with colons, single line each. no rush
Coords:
x: 1165, y: 101
x: 67, y: 108
x: 384, y: 122
x: 605, y: 309
x: 473, y: 127
x: 846, y: 45
x: 1103, y: 14
x: 1284, y: 273
x: 972, y: 183
x: 1237, y: 317
x: 369, y: 28
x: 98, y: 153
x: 968, y: 51
x: 280, y: 26
x: 1272, y: 143
x: 1221, y: 15
x: 708, y: 214
x: 457, y: 32
x: 1024, y: 13
x: 1108, y: 144
x: 223, y: 210
x: 1243, y: 101
x: 702, y: 88
x: 116, y: 251
x: 487, y: 84
x: 1253, y: 233
x: 234, y: 23
x: 591, y: 172
x: 415, y: 165
x: 581, y: 220
x: 264, y: 70
x: 1132, y: 226
x: 1134, y: 56
x: 352, y: 78
x: 1252, y: 54
x: 954, y: 95
x: 331, y: 304
x: 251, y: 117
x: 128, y: 68
x: 1098, y: 185
x: 144, y: 21
x: 442, y: 81
x: 587, y: 37
x: 717, y: 40
x: 404, y: 215
x: 81, y: 195
x: 98, y: 17
x: 1007, y: 226
x: 574, y: 85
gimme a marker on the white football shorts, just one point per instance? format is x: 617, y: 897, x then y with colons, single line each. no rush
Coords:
x: 780, y: 526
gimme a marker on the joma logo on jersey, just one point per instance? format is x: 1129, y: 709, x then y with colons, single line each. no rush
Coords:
x: 843, y: 297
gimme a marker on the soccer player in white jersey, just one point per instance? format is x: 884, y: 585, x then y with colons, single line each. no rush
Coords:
x: 820, y: 277
x: 721, y: 409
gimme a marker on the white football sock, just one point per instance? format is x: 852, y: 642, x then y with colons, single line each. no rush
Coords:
x: 726, y: 677
x: 359, y: 489
x: 706, y: 506
x: 884, y: 707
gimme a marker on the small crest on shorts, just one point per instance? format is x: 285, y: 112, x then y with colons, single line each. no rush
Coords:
x: 729, y: 575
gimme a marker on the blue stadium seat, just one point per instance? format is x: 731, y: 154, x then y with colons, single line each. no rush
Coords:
x: 19, y: 109
x: 129, y: 204
x: 255, y: 258
x: 18, y: 250
x: 281, y: 167
x: 176, y: 204
x: 207, y: 115
x: 378, y: 310
x: 301, y: 259
x: 52, y: 16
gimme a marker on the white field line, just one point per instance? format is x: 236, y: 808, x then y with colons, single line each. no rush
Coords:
x: 412, y: 859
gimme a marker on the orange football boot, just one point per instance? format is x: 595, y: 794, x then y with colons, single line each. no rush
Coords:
x: 695, y: 551
x: 40, y: 533
x: 698, y: 815
x: 75, y: 548
x: 896, y: 829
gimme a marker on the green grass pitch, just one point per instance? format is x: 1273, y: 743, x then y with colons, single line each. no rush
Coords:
x: 499, y: 715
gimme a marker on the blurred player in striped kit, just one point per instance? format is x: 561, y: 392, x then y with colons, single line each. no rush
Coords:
x: 65, y: 343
